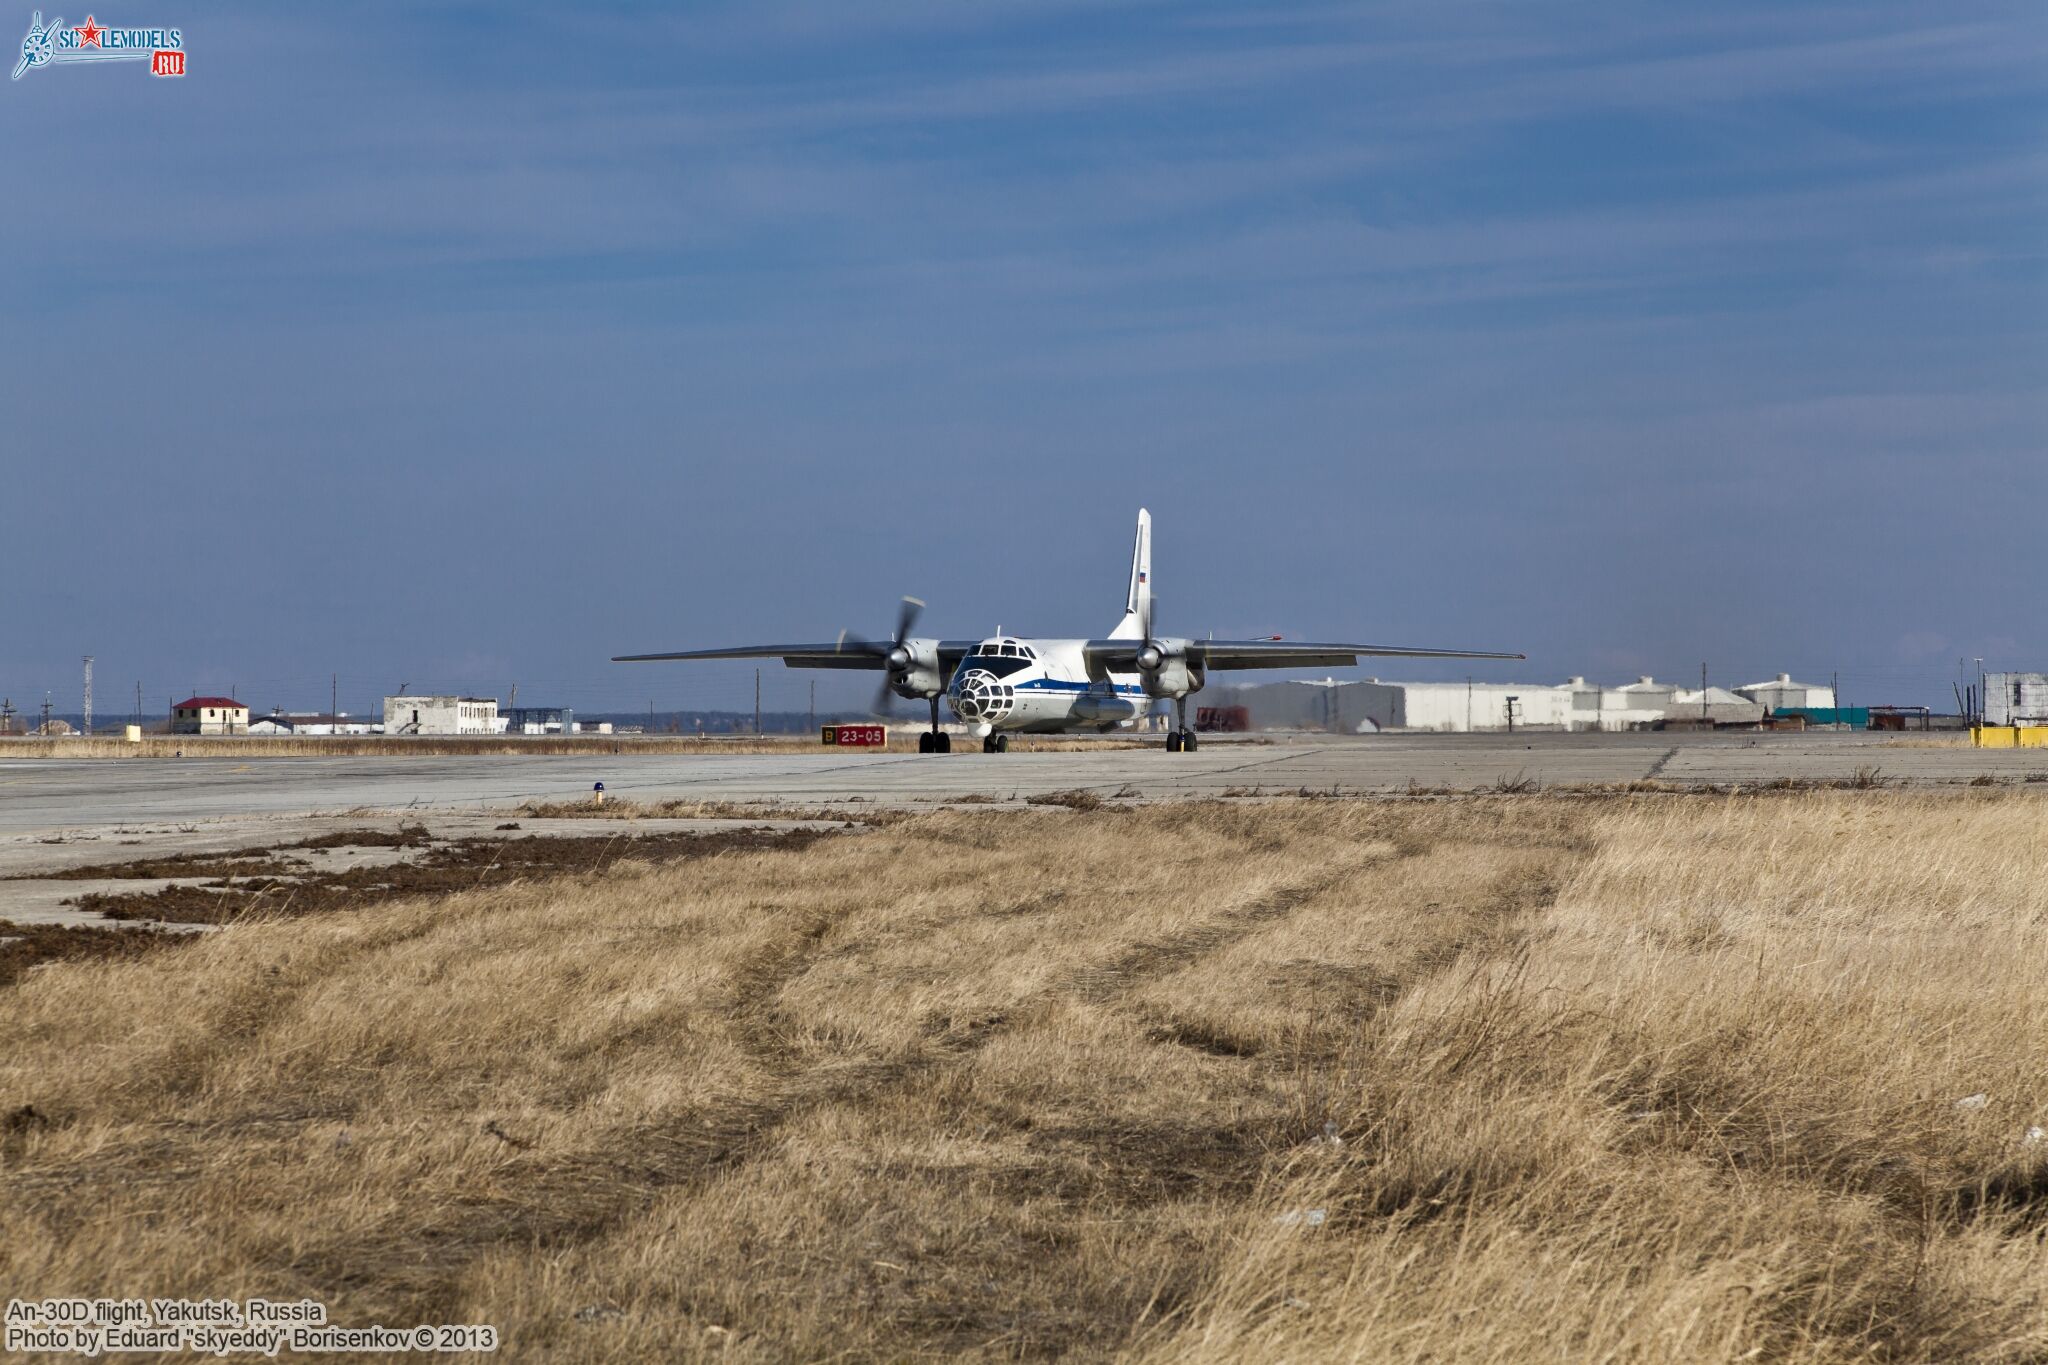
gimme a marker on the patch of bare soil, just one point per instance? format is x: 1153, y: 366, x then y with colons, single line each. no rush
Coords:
x: 28, y: 945
x: 464, y: 865
x: 294, y: 888
x: 259, y: 861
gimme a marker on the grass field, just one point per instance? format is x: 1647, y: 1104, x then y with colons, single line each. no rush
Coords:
x: 1483, y: 1079
x: 902, y: 740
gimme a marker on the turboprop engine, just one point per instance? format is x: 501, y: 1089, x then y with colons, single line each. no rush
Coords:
x: 914, y: 668
x: 910, y: 667
x: 1164, y: 670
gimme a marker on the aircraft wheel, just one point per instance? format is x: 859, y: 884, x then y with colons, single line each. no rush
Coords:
x: 924, y: 741
x: 945, y: 742
x: 1187, y: 742
x: 988, y: 744
x: 1173, y: 741
x: 1002, y: 744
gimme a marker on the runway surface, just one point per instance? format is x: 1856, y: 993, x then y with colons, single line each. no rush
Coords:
x: 39, y: 798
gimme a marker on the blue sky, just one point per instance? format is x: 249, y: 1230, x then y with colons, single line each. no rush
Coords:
x: 468, y: 345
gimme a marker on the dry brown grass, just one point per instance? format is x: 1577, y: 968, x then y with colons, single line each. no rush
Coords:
x: 392, y: 746
x: 1615, y: 1079
x: 902, y: 740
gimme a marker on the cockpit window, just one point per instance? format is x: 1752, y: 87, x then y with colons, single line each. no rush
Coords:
x: 995, y: 659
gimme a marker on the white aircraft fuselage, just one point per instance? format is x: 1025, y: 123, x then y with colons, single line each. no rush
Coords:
x: 1024, y: 686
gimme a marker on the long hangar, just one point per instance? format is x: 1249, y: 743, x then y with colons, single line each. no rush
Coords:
x: 1457, y: 707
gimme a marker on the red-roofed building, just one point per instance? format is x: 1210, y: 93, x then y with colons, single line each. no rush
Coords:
x: 209, y: 716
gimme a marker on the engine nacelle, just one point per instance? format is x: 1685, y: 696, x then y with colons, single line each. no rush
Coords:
x: 914, y: 669
x: 1164, y: 669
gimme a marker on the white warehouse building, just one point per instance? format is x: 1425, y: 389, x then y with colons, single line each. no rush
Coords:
x: 1462, y: 706
x: 1457, y: 707
x: 1782, y: 691
x: 442, y: 716
x: 1364, y: 707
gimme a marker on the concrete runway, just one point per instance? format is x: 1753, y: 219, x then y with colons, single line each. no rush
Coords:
x: 44, y: 798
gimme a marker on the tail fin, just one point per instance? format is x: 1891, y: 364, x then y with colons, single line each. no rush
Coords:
x: 1138, y: 602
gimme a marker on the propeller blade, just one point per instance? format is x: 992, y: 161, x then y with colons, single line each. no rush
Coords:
x: 906, y: 616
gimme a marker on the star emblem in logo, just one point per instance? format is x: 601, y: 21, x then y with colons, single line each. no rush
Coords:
x: 88, y: 33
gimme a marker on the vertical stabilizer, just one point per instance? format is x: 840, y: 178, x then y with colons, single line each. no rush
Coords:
x: 1138, y: 601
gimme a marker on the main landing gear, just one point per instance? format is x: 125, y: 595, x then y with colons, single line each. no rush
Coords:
x: 1180, y: 739
x: 996, y: 744
x: 935, y: 740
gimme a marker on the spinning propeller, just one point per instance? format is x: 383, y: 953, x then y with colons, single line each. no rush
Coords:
x: 897, y: 657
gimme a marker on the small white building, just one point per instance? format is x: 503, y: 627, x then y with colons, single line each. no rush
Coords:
x: 312, y: 723
x: 441, y: 716
x: 209, y: 716
x: 1782, y: 691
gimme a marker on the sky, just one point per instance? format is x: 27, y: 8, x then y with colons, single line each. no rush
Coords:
x: 468, y: 345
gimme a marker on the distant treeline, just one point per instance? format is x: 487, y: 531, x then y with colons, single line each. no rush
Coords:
x: 664, y: 722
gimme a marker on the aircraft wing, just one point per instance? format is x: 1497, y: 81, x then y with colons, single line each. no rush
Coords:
x: 869, y: 654
x: 1121, y: 656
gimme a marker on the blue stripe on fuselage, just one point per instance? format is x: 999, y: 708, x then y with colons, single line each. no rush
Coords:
x: 1057, y: 685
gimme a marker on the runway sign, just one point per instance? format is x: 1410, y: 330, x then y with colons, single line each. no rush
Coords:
x: 857, y: 736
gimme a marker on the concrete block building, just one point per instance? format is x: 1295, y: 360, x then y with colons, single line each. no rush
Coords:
x: 2016, y: 698
x: 441, y: 716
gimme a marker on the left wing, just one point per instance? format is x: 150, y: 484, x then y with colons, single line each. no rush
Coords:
x: 846, y: 653
x: 1121, y: 656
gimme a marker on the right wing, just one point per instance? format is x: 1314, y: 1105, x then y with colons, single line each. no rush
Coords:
x: 850, y: 653
x: 1121, y: 656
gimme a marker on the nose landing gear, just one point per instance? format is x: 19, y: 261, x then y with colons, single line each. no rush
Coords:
x: 996, y: 744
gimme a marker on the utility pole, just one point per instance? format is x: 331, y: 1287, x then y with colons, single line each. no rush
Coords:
x: 334, y: 703
x: 138, y: 704
x: 814, y: 703
x: 86, y: 715
x: 1703, y: 689
x: 757, y: 701
x: 44, y: 730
